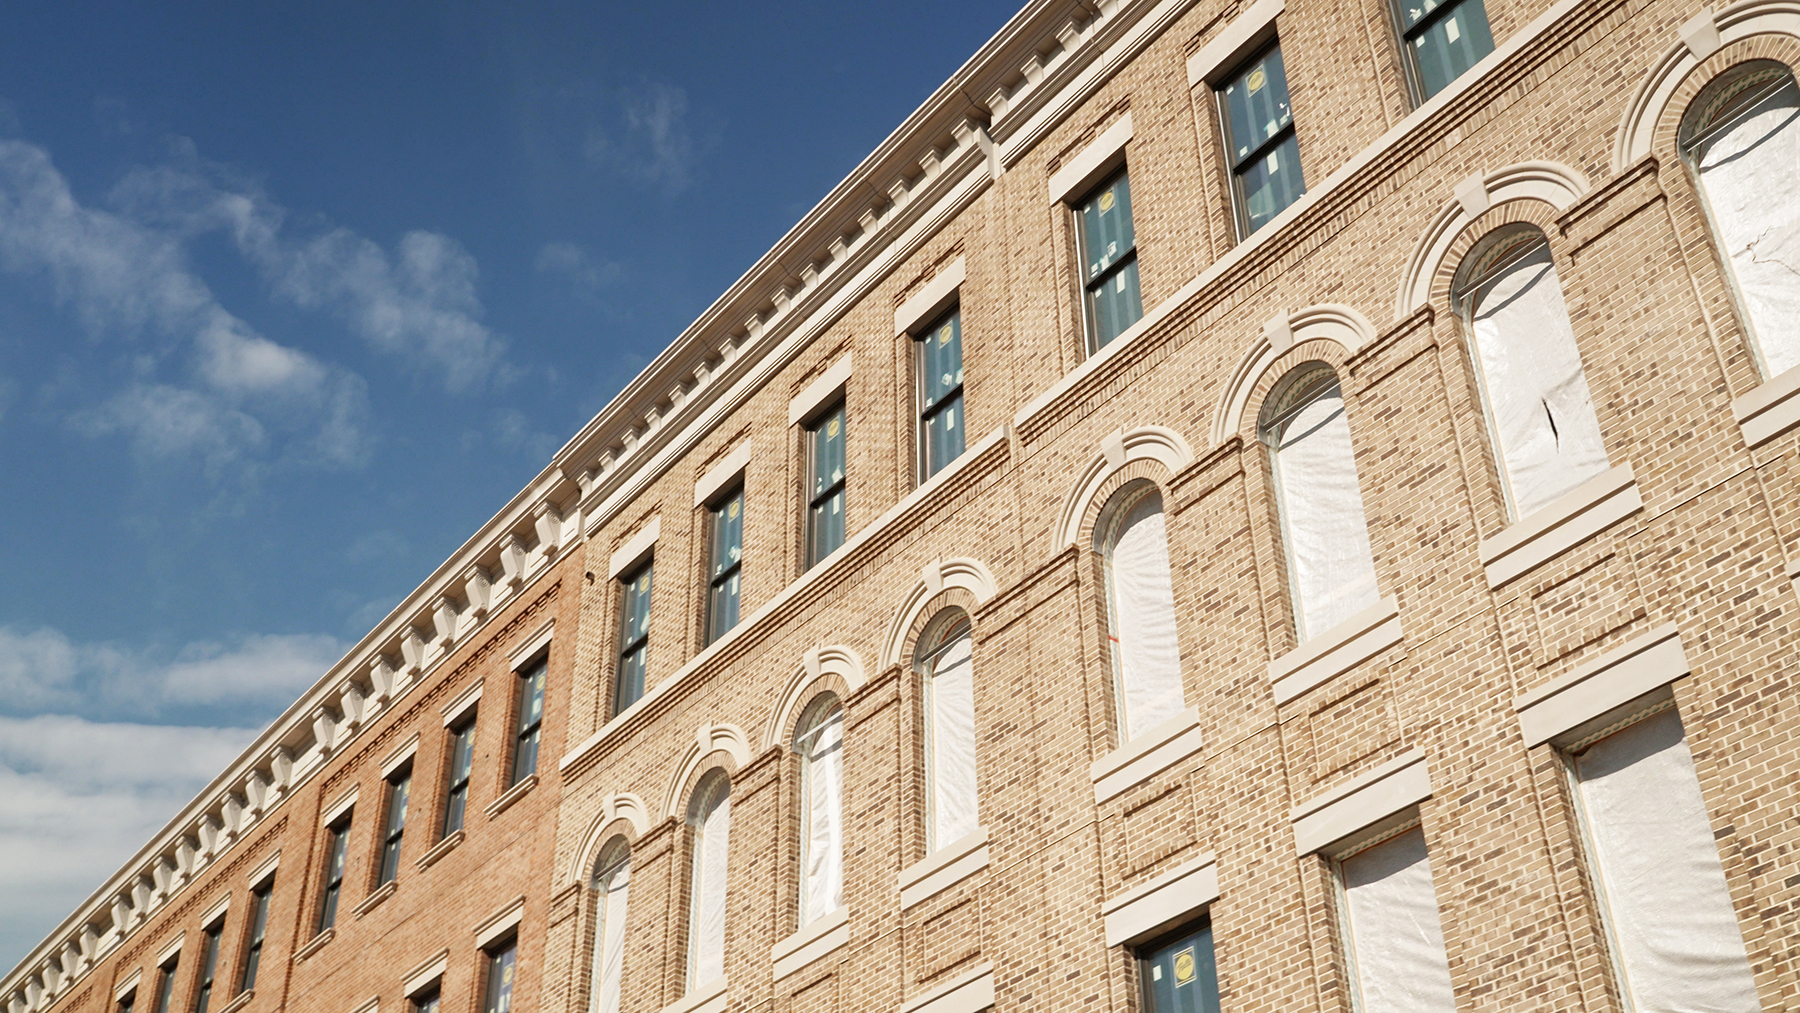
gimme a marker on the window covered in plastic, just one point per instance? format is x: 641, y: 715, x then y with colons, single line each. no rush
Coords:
x: 1259, y: 137
x: 612, y: 891
x: 947, y: 673
x: 1442, y: 40
x: 819, y: 741
x: 941, y: 422
x: 1109, y: 266
x: 1740, y: 140
x: 1331, y: 571
x: 1396, y: 941
x: 1146, y: 652
x: 1539, y: 409
x: 709, y: 815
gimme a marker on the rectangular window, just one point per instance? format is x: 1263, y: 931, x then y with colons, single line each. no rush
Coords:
x: 335, y: 849
x: 1180, y: 976
x: 941, y: 422
x: 462, y: 760
x: 209, y: 965
x: 165, y: 984
x: 1259, y: 137
x: 825, y: 485
x: 128, y: 1002
x: 1442, y: 40
x: 426, y: 1002
x: 259, y: 926
x: 1392, y: 933
x: 725, y: 570
x: 399, y: 789
x: 500, y: 967
x: 531, y: 720
x: 1109, y: 267
x: 634, y: 636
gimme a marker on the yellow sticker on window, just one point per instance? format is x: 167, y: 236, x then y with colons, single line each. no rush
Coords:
x: 731, y: 511
x: 945, y: 335
x: 1256, y: 79
x: 1184, y: 966
x: 831, y: 429
x: 1106, y: 202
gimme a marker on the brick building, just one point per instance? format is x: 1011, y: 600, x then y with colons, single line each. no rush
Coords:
x: 1231, y: 506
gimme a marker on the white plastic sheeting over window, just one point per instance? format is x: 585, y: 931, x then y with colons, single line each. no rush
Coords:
x: 1145, y: 648
x: 820, y: 743
x: 1331, y: 568
x: 950, y: 741
x: 1750, y: 173
x: 1667, y: 904
x: 1537, y: 393
x: 1396, y: 938
x: 711, y: 819
x: 612, y: 888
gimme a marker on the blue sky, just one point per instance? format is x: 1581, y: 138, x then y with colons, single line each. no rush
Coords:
x: 294, y: 297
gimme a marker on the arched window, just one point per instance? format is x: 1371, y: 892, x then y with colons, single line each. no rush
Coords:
x: 1740, y: 141
x: 1538, y: 406
x: 947, y: 673
x: 612, y: 887
x: 1146, y: 653
x: 819, y: 740
x: 709, y: 814
x: 1330, y: 568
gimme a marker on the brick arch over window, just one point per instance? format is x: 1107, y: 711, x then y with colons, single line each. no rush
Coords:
x: 722, y: 738
x: 1552, y: 183
x: 1328, y: 321
x: 622, y: 813
x: 972, y: 575
x: 820, y: 663
x: 1145, y: 443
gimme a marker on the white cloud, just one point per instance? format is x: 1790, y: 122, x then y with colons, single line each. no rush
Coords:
x: 586, y: 274
x: 649, y: 139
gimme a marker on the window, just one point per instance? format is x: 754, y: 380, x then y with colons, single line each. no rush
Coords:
x: 1331, y: 571
x: 502, y: 964
x: 531, y: 719
x: 1546, y: 435
x: 127, y: 1002
x: 1441, y: 40
x: 1108, y: 249
x: 165, y: 984
x: 634, y: 636
x: 1140, y: 608
x: 1394, y: 939
x: 1259, y: 137
x: 335, y: 849
x: 725, y: 572
x: 819, y: 740
x: 825, y: 484
x: 259, y: 926
x: 1739, y: 140
x: 940, y: 369
x: 1663, y: 895
x: 1180, y: 975
x: 947, y: 672
x: 399, y: 789
x: 612, y: 889
x: 710, y: 817
x: 426, y: 1002
x: 209, y: 965
x: 462, y: 760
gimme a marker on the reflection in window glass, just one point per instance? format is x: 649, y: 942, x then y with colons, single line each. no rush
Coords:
x: 462, y: 761
x: 1109, y: 270
x: 334, y: 873
x: 531, y: 720
x: 725, y: 578
x: 825, y: 485
x: 209, y: 967
x: 941, y: 422
x: 259, y: 926
x: 634, y: 637
x: 399, y: 790
x: 1259, y: 133
x: 1442, y: 40
x: 501, y: 968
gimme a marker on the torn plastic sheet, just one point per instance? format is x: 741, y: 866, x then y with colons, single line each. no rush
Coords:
x: 1322, y: 518
x: 609, y: 937
x: 822, y: 750
x: 955, y: 807
x: 1397, y: 938
x: 1146, y: 650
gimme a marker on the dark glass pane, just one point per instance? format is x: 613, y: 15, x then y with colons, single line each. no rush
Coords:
x: 500, y: 981
x: 634, y: 632
x: 334, y: 876
x: 165, y: 987
x: 1116, y: 304
x: 1271, y: 183
x: 126, y: 1004
x: 940, y: 361
x: 209, y: 966
x: 1180, y: 977
x: 723, y: 608
x: 1256, y: 105
x: 426, y: 1003
x: 728, y: 535
x: 398, y: 793
x: 259, y: 926
x: 1450, y: 45
x: 943, y: 434
x: 828, y: 453
x: 1107, y: 233
x: 462, y: 758
x: 531, y: 713
x: 827, y: 523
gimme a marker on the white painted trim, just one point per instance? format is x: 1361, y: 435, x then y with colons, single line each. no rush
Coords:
x: 527, y: 652
x: 965, y: 572
x: 1639, y: 666
x: 708, y: 739
x: 427, y: 973
x: 1151, y: 753
x: 131, y: 981
x: 1769, y: 410
x: 831, y: 659
x: 459, y: 707
x: 1573, y: 518
x: 712, y: 997
x: 943, y: 868
x: 1153, y: 908
x: 264, y: 872
x: 404, y: 752
x: 372, y: 1005
x: 635, y: 548
x: 811, y: 944
x: 496, y: 927
x: 926, y: 304
x: 820, y: 391
x: 331, y: 813
x: 1247, y: 31
x: 729, y: 469
x: 1102, y: 155
x: 169, y: 949
x: 1161, y: 444
x: 1337, y: 650
x: 969, y: 993
x: 1367, y: 799
x: 1337, y: 322
x: 215, y: 911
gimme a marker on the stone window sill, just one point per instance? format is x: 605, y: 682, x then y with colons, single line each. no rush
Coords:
x: 1337, y: 650
x: 811, y: 944
x: 513, y: 794
x: 440, y: 849
x: 1362, y: 804
x: 1769, y: 410
x: 315, y: 945
x: 238, y: 1001
x: 1633, y: 670
x: 1578, y: 515
x: 1150, y: 753
x: 943, y: 869
x: 1146, y: 911
x: 709, y: 998
x: 373, y: 901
